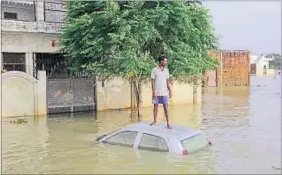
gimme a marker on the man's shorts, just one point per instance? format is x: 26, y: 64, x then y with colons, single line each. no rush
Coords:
x: 160, y: 100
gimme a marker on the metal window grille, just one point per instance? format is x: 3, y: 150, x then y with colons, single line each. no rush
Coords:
x: 54, y: 11
x: 14, y: 62
x: 9, y: 15
x: 53, y: 63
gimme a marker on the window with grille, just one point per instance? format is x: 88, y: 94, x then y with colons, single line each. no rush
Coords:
x: 14, y: 62
x: 10, y: 15
x: 20, y: 11
x: 54, y: 11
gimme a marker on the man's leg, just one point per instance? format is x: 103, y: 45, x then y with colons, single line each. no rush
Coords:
x: 155, y: 110
x: 165, y: 106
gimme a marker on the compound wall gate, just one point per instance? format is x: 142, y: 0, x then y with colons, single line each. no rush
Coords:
x: 65, y: 92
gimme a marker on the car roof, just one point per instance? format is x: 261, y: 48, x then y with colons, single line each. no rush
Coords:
x: 160, y: 129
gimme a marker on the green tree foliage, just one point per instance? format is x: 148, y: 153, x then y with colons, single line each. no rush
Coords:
x: 277, y: 61
x: 124, y: 38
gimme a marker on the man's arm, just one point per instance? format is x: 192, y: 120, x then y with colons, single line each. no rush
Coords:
x: 153, y: 88
x: 153, y: 83
x: 168, y: 83
x: 169, y: 86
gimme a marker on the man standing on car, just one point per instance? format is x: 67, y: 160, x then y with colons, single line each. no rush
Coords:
x: 161, y: 88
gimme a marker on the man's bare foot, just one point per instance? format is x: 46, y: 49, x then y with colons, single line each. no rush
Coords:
x: 153, y: 123
x: 169, y: 127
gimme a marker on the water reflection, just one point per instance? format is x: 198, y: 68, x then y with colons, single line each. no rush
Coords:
x: 244, y: 125
x: 29, y: 139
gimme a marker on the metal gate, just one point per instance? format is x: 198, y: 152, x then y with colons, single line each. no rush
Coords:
x: 70, y: 95
x: 66, y: 92
x: 253, y: 68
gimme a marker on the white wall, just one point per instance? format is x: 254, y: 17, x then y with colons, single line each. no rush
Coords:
x: 24, y: 95
x: 28, y: 42
x: 260, y: 61
x: 25, y: 13
x: 260, y: 66
x: 22, y: 1
x: 253, y: 59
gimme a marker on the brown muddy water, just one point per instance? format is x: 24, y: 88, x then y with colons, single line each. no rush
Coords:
x: 243, y: 123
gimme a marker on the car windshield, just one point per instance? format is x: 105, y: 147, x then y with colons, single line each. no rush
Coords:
x: 194, y: 143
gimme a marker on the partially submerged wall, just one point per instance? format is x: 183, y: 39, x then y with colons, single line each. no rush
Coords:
x: 233, y: 70
x: 22, y: 94
x: 118, y: 94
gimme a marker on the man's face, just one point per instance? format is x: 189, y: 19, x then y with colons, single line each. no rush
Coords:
x: 164, y: 62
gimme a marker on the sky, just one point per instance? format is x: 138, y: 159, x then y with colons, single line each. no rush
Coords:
x: 250, y: 25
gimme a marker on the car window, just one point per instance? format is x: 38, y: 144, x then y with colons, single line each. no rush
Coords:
x: 152, y: 142
x: 194, y: 143
x: 126, y: 138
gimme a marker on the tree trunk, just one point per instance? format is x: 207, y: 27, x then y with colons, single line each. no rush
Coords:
x: 137, y: 91
x: 139, y: 98
x: 131, y: 94
x: 195, y: 84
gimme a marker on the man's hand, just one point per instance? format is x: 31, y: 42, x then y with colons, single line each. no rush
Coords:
x: 168, y: 83
x: 154, y: 94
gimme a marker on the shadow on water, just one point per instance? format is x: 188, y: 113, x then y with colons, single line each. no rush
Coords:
x: 243, y: 123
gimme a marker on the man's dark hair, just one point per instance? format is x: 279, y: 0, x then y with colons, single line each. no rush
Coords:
x: 161, y: 58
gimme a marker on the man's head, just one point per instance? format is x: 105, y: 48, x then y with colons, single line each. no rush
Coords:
x: 162, y: 60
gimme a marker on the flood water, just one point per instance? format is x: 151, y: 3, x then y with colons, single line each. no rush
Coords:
x: 243, y: 123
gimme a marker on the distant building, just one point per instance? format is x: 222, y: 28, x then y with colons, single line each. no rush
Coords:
x: 233, y: 69
x: 259, y: 64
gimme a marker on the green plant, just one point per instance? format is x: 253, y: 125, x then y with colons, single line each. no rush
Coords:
x: 123, y: 38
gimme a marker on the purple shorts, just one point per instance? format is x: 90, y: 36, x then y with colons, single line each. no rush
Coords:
x: 160, y: 100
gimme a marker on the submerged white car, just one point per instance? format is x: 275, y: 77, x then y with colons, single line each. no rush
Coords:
x: 179, y: 139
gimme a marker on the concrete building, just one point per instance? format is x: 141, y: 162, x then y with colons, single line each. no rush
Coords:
x: 260, y: 64
x: 29, y: 34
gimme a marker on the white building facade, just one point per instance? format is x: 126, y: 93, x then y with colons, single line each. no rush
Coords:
x: 260, y: 64
x: 29, y: 34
